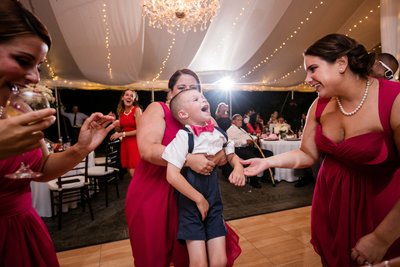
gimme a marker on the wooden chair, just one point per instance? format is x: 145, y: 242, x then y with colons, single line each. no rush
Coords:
x: 72, y: 187
x: 109, y: 173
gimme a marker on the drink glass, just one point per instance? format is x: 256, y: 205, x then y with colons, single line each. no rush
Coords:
x: 20, y: 102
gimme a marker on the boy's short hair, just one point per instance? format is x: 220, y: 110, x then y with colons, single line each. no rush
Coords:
x: 176, y: 104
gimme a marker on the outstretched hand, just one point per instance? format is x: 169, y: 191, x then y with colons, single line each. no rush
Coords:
x: 255, y: 166
x: 94, y: 130
x: 23, y: 132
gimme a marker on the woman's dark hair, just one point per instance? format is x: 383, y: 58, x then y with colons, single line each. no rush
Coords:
x: 16, y: 20
x: 334, y: 46
x: 174, y: 78
x: 253, y: 120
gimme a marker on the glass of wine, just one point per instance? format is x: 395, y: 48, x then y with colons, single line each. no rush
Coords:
x: 24, y: 101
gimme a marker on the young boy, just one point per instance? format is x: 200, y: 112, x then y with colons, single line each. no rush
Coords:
x: 201, y: 222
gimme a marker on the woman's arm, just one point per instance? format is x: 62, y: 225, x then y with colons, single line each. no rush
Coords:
x: 373, y: 246
x: 150, y: 133
x: 92, y: 133
x: 304, y: 157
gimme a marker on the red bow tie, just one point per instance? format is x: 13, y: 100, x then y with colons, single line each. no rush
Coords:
x: 199, y: 129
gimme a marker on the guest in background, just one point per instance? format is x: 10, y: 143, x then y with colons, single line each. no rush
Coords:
x: 24, y: 43
x: 244, y: 147
x: 246, y: 116
x: 254, y: 127
x: 129, y: 113
x: 222, y: 116
x: 151, y: 204
x: 385, y: 66
x: 355, y: 123
x: 76, y: 120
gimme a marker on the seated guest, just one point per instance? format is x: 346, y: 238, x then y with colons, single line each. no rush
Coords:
x: 244, y: 145
x: 222, y: 116
x: 246, y: 116
x: 254, y: 126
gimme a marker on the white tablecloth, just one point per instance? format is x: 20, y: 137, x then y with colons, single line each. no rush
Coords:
x: 41, y: 194
x: 278, y: 147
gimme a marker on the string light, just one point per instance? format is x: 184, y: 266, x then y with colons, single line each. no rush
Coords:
x: 164, y: 63
x: 227, y: 36
x: 357, y: 25
x: 107, y: 39
x: 283, y: 44
x: 287, y: 75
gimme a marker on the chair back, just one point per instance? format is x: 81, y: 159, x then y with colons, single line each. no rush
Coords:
x: 81, y: 169
x: 112, y: 154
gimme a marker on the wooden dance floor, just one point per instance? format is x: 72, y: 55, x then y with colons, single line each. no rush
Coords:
x: 274, y: 239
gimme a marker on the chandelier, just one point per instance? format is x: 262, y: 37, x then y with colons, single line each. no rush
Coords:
x: 183, y: 15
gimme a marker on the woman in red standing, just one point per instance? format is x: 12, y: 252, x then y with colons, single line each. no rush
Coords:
x: 129, y: 113
x: 151, y: 202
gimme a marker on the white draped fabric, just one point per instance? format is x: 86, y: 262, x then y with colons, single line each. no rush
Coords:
x: 255, y: 42
x: 390, y: 27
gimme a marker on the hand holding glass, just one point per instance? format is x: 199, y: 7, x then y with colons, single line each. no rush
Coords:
x: 23, y: 102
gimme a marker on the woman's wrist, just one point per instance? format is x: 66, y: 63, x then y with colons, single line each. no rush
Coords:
x: 123, y: 134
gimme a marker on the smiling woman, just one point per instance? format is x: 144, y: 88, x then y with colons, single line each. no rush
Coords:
x: 24, y: 44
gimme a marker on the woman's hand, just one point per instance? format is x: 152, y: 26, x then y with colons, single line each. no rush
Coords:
x: 203, y: 207
x: 200, y: 163
x: 23, y: 132
x: 370, y: 248
x: 256, y: 165
x: 116, y: 135
x: 94, y: 130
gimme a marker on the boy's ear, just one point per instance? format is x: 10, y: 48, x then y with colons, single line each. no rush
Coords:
x: 182, y: 115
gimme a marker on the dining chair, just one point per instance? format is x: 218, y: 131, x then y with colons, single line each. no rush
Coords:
x: 109, y: 173
x: 71, y: 187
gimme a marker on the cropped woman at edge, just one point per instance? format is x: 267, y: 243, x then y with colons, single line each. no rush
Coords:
x: 151, y: 203
x: 24, y: 239
x: 129, y: 113
x: 355, y: 124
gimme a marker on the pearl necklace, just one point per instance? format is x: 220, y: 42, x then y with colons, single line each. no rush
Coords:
x: 359, y: 105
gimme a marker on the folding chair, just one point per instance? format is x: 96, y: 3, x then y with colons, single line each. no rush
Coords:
x: 109, y: 173
x: 70, y: 187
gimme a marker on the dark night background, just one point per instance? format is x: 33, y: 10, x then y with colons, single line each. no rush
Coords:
x: 104, y: 101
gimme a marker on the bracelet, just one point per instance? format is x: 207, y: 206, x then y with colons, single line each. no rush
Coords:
x: 386, y: 263
x: 123, y: 134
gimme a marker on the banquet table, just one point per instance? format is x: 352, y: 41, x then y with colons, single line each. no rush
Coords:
x: 41, y: 194
x: 279, y: 147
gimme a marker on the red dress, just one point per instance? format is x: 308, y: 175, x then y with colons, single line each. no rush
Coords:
x: 152, y: 213
x: 24, y: 239
x: 129, y: 149
x: 357, y: 185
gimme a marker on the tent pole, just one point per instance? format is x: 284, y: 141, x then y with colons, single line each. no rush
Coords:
x: 58, y: 114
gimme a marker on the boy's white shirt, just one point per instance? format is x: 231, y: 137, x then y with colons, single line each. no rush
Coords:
x: 209, y: 143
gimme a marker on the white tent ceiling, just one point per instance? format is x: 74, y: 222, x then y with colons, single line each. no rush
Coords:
x: 258, y: 43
